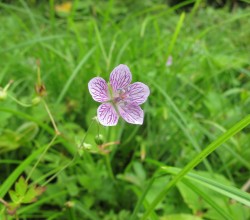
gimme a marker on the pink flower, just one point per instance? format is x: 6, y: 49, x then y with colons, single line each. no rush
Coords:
x: 169, y: 61
x: 119, y: 97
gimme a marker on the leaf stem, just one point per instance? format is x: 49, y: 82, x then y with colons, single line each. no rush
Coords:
x: 109, y: 167
x: 40, y: 158
x: 63, y: 168
x: 84, y: 138
x: 51, y: 118
x: 74, y: 158
x: 18, y: 102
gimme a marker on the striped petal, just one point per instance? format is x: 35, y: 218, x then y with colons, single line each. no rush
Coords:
x: 120, y: 77
x: 107, y: 115
x: 98, y: 89
x: 137, y: 93
x: 131, y: 113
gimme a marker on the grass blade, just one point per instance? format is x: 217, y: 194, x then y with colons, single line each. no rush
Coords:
x: 74, y: 74
x: 18, y: 171
x: 210, y: 201
x: 176, y: 33
x: 229, y: 191
x: 200, y: 157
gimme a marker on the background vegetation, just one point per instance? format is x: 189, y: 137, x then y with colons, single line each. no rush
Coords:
x: 195, y: 59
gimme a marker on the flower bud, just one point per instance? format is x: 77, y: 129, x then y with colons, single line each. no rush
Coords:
x: 3, y: 94
x: 70, y: 204
x: 36, y: 100
x: 99, y: 139
x: 3, y: 91
x: 40, y: 90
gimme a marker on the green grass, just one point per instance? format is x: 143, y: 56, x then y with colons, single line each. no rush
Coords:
x: 196, y: 117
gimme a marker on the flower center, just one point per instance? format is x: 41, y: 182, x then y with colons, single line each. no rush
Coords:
x: 120, y: 95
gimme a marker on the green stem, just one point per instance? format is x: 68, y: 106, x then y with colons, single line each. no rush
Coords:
x: 84, y: 138
x: 176, y: 33
x: 193, y: 163
x: 42, y: 155
x: 107, y: 159
x: 20, y: 103
x: 141, y: 199
x: 63, y: 168
x: 51, y: 118
x: 72, y: 161
x: 195, y: 9
x: 109, y: 167
x: 52, y: 13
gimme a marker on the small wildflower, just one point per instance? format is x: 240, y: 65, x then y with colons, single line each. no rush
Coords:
x: 169, y: 61
x: 119, y: 98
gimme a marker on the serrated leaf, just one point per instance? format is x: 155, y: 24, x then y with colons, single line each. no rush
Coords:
x: 30, y: 196
x: 21, y: 186
x: 32, y: 193
x: 14, y: 197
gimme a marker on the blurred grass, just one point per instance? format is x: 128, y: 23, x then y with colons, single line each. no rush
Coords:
x: 203, y: 93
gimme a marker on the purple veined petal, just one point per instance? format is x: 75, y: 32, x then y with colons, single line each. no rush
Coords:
x: 131, y: 113
x: 107, y: 114
x: 98, y: 89
x: 120, y: 77
x: 137, y: 93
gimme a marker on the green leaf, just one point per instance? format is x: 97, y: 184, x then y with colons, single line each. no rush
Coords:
x: 14, y: 197
x: 27, y: 132
x: 8, y: 141
x: 17, y: 172
x: 195, y: 161
x: 225, y: 190
x: 30, y: 196
x: 21, y: 186
x: 203, y: 200
x: 139, y: 171
x: 32, y: 193
x: 180, y: 217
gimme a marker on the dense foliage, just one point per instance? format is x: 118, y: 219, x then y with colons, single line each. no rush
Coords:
x: 58, y: 163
